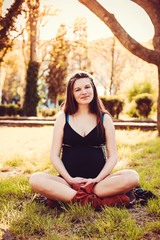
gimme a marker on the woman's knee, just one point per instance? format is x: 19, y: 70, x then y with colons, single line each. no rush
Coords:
x: 35, y: 179
x: 133, y: 178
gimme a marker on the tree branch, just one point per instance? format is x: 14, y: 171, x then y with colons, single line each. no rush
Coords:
x: 148, y: 55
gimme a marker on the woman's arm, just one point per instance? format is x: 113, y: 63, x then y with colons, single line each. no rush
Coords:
x: 56, y: 150
x: 111, y: 148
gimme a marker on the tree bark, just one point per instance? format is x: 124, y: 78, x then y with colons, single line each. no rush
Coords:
x: 148, y: 55
x: 33, y: 20
x: 152, y: 8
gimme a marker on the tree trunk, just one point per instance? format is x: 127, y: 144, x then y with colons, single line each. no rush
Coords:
x: 2, y: 78
x: 31, y: 91
x: 152, y: 8
x: 33, y: 20
x: 112, y: 66
x: 158, y: 104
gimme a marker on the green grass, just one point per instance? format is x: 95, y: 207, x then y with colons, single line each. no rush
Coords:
x: 26, y: 219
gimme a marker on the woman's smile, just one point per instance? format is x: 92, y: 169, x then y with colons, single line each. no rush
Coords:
x: 83, y: 90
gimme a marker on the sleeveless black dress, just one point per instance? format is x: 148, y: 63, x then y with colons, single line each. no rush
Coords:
x: 83, y: 156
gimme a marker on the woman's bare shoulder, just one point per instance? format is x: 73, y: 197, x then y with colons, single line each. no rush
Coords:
x: 107, y: 118
x: 60, y: 119
x: 108, y: 122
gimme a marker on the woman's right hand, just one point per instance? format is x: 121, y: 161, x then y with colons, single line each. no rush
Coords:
x: 77, y: 181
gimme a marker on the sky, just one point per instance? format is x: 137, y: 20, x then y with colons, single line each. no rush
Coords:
x: 133, y: 18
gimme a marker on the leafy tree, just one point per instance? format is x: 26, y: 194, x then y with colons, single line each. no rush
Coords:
x: 56, y: 78
x: 79, y: 47
x: 152, y: 8
x: 31, y: 93
x: 7, y: 25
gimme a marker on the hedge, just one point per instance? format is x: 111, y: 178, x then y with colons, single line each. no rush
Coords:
x: 113, y: 105
x: 144, y: 103
x: 10, y: 110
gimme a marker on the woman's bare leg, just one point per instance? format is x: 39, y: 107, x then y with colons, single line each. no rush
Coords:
x: 52, y: 187
x: 117, y: 183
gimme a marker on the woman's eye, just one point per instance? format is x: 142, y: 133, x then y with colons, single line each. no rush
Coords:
x: 77, y: 90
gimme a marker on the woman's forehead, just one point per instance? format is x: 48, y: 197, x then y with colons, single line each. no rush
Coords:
x: 81, y: 82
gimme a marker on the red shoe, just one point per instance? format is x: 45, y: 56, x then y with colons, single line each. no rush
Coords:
x: 115, y: 201
x: 85, y: 195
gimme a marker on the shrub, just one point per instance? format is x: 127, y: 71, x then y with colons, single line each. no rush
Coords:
x: 10, y: 110
x: 60, y: 100
x: 131, y: 110
x: 2, y: 110
x: 144, y: 104
x: 113, y: 105
x: 139, y: 88
x: 48, y: 112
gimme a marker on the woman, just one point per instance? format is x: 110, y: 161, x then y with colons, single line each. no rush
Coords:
x: 84, y: 131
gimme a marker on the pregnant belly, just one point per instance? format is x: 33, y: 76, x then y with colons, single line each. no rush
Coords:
x: 82, y: 161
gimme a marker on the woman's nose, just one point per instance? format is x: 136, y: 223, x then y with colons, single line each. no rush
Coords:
x: 84, y: 91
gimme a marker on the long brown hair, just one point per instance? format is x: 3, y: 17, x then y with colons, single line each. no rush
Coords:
x: 96, y: 106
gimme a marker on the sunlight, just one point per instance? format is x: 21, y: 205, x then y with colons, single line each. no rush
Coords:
x: 133, y: 18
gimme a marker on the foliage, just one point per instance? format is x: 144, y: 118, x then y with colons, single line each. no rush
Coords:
x: 47, y: 112
x: 56, y: 78
x: 31, y: 94
x: 61, y: 100
x: 10, y: 110
x: 139, y: 88
x: 79, y: 59
x: 131, y: 110
x: 13, y: 81
x: 3, y: 110
x: 8, y: 24
x: 113, y: 104
x: 144, y: 103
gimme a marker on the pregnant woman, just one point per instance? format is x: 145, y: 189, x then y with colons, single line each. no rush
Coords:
x: 84, y: 152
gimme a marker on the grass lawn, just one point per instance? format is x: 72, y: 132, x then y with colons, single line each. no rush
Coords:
x: 26, y: 150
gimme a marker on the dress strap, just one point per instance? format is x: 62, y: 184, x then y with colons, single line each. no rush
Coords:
x: 103, y: 117
x: 67, y: 117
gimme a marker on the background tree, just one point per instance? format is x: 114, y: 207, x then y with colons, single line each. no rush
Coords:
x: 14, y: 75
x: 56, y: 78
x: 79, y: 47
x: 152, y: 8
x: 31, y: 92
x: 7, y: 25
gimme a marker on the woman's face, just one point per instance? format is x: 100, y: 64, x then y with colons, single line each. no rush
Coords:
x: 83, y: 91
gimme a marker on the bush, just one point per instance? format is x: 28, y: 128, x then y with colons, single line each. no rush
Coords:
x: 3, y: 110
x: 113, y: 105
x: 10, y: 110
x: 131, y: 110
x: 61, y: 100
x: 47, y: 112
x: 144, y: 103
x: 139, y: 88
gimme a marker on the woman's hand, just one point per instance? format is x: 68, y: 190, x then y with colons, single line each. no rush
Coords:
x: 90, y: 180
x: 82, y: 181
x: 77, y: 181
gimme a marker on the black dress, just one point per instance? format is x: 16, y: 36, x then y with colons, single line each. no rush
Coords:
x: 83, y: 156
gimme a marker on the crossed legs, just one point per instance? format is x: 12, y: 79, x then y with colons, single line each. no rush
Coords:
x: 57, y: 188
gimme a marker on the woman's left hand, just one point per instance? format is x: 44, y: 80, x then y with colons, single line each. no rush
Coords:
x: 90, y: 180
